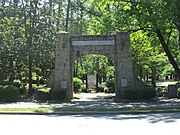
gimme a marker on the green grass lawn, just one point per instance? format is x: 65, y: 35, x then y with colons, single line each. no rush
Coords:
x: 118, y: 110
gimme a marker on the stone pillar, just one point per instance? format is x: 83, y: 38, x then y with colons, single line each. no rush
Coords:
x: 124, y: 76
x: 63, y: 69
x: 173, y: 90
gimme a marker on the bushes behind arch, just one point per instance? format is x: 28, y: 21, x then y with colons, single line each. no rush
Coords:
x: 144, y: 93
x: 9, y: 93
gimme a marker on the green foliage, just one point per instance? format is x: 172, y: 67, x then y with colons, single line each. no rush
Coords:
x: 43, y: 94
x: 100, y: 89
x: 59, y: 94
x: 17, y: 84
x: 9, y: 93
x: 77, y: 84
x: 161, y: 91
x: 83, y: 89
x: 178, y: 92
x: 92, y: 64
x: 142, y: 18
x: 110, y: 71
x: 145, y: 93
x: 110, y: 85
x: 1, y: 89
x: 29, y: 27
x: 144, y: 46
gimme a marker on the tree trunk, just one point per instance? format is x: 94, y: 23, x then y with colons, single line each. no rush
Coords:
x: 30, y: 76
x: 67, y: 15
x: 147, y: 77
x: 2, y: 70
x: 140, y: 72
x: 37, y: 80
x: 97, y: 80
x: 11, y: 75
x: 100, y: 77
x: 168, y: 53
x: 19, y: 76
x: 97, y: 70
x: 178, y: 28
x: 86, y: 83
x: 153, y: 76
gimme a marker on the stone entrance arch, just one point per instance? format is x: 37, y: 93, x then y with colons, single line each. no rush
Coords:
x: 116, y: 47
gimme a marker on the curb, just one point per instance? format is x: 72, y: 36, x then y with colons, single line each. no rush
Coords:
x: 89, y: 112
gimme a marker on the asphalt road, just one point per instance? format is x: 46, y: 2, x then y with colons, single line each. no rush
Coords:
x: 142, y: 124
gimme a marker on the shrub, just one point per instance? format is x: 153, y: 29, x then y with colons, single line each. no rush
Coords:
x: 178, y: 92
x: 9, y: 93
x: 77, y: 84
x: 147, y: 93
x: 139, y: 93
x: 17, y: 84
x: 1, y: 90
x: 42, y: 81
x: 59, y: 94
x: 109, y: 90
x: 43, y: 94
x: 83, y: 89
x: 110, y: 85
x: 161, y: 91
x: 100, y: 89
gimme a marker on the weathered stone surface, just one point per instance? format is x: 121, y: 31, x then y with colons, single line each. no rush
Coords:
x: 63, y: 69
x: 117, y: 48
x: 172, y: 91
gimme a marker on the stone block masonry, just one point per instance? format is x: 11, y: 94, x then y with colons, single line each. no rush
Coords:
x: 116, y: 47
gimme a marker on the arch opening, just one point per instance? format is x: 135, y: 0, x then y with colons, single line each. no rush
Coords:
x: 91, y: 73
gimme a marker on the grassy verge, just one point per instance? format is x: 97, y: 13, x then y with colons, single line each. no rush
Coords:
x: 117, y: 110
x: 26, y: 110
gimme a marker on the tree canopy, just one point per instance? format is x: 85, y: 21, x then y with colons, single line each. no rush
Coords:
x: 28, y: 34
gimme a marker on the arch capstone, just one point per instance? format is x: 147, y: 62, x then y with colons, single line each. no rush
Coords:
x: 116, y: 46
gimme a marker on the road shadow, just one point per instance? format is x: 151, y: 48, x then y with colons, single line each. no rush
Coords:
x: 101, y: 101
x: 151, y: 118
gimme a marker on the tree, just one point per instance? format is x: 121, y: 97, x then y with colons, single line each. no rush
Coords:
x: 26, y: 34
x: 159, y: 16
x: 11, y: 40
x: 94, y: 64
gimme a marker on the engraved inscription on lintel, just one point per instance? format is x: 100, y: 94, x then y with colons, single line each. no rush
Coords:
x: 94, y: 42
